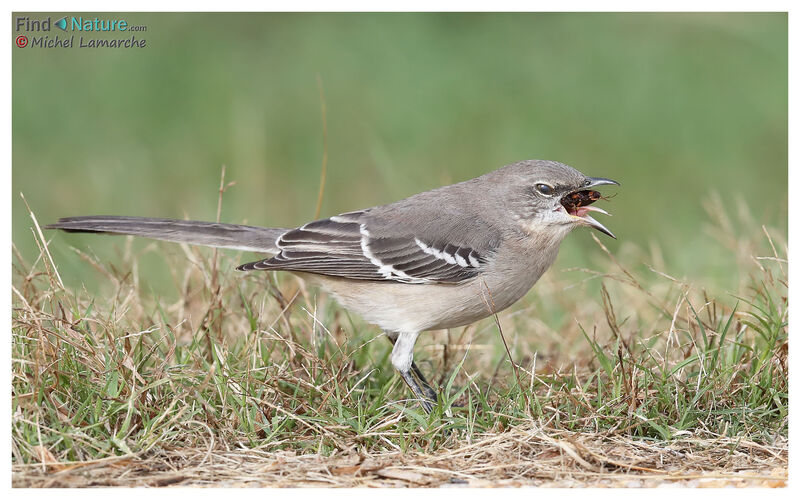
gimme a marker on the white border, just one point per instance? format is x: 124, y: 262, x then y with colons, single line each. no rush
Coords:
x: 406, y: 6
x: 410, y: 5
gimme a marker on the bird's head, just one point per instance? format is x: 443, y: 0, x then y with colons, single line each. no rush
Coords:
x: 547, y: 195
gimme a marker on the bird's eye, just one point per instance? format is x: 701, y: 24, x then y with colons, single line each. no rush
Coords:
x: 545, y: 189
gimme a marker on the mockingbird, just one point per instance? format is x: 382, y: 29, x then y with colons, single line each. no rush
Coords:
x: 439, y: 259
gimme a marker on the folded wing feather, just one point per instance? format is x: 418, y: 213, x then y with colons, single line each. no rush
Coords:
x: 349, y: 246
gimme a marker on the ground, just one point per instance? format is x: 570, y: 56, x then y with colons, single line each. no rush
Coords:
x: 509, y: 459
x: 620, y: 375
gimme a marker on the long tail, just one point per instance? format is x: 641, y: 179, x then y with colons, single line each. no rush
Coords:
x: 212, y: 234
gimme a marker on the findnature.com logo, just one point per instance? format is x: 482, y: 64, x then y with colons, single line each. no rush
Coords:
x: 80, y: 24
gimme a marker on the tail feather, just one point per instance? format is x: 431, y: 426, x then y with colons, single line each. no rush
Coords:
x: 212, y: 234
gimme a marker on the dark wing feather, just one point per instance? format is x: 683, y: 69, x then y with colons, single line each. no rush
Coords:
x: 329, y: 246
x: 346, y: 246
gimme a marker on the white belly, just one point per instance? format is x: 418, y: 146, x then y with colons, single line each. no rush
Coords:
x: 400, y: 307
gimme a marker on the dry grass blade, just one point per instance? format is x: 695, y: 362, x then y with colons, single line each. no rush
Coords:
x: 515, y: 367
x: 324, y: 169
x: 42, y: 242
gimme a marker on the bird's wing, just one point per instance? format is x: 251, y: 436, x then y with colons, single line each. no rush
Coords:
x: 356, y: 245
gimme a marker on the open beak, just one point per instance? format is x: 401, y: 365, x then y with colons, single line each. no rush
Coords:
x: 578, y: 203
x: 591, y: 222
x: 598, y: 181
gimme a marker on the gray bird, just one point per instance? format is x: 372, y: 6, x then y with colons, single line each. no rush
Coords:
x: 439, y: 259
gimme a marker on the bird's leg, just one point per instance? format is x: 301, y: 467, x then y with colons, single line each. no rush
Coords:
x: 403, y: 361
x: 415, y: 371
x: 426, y: 403
x: 429, y: 392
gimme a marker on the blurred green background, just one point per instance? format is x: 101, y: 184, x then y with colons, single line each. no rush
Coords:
x: 674, y: 106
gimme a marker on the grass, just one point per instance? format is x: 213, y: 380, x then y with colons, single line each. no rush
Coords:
x: 621, y: 375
